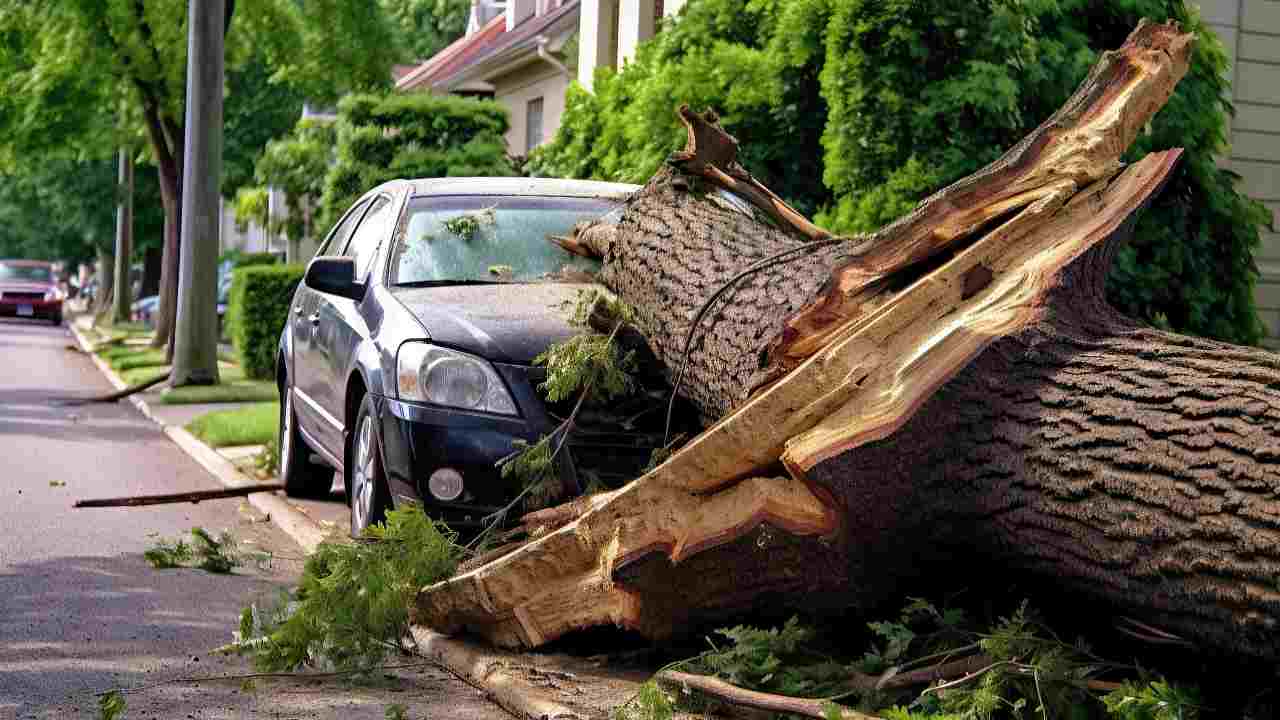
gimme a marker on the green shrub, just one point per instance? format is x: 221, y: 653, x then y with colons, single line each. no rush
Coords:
x: 716, y: 56
x: 259, y: 309
x: 862, y: 108
x: 256, y: 258
x: 384, y: 137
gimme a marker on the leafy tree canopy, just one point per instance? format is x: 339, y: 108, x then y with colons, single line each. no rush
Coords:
x: 427, y: 26
x: 912, y: 96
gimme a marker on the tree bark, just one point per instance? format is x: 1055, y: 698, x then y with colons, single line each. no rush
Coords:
x: 949, y: 394
x: 195, y: 354
x: 124, y: 238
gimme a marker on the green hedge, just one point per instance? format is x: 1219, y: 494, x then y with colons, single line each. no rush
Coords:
x: 260, y: 296
x: 434, y: 136
x: 256, y: 258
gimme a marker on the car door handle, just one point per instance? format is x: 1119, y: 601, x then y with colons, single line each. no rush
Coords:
x: 315, y: 319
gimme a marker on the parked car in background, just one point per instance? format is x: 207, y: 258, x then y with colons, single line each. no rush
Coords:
x: 407, y: 363
x: 29, y: 288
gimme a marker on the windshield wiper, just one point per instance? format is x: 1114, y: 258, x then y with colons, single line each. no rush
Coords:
x: 447, y: 283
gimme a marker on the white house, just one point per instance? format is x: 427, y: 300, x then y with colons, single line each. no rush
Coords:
x: 524, y: 54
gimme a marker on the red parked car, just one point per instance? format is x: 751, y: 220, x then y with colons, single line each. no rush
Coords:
x: 29, y: 288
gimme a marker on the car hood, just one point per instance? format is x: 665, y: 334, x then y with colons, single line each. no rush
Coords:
x: 508, y: 322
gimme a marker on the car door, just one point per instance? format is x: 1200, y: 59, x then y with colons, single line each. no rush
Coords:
x: 308, y: 372
x: 339, y: 327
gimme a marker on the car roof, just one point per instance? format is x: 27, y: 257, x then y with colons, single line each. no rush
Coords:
x: 553, y: 187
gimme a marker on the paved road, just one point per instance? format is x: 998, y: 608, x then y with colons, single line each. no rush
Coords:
x: 80, y: 610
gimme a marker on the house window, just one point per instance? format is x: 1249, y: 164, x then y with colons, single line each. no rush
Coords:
x: 533, y: 125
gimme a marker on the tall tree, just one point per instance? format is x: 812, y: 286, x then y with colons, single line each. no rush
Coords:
x: 427, y: 26
x: 65, y: 67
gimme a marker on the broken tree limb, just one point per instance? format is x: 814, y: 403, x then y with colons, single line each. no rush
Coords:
x: 950, y: 392
x: 194, y: 496
x: 741, y: 697
x: 115, y: 396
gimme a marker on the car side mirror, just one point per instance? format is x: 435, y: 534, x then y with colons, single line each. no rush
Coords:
x: 335, y: 276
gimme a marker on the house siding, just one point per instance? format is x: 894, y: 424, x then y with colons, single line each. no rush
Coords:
x: 1250, y: 30
x: 516, y: 88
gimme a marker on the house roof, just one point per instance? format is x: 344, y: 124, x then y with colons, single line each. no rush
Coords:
x: 464, y: 57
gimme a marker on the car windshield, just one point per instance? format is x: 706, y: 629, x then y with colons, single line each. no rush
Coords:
x: 26, y: 273
x: 491, y: 239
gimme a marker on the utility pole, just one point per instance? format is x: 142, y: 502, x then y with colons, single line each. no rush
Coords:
x: 195, y: 355
x: 124, y: 237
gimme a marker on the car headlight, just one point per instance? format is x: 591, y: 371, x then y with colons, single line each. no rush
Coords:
x: 430, y: 373
x: 53, y: 294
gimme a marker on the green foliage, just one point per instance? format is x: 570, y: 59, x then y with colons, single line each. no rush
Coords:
x: 1030, y: 673
x: 922, y: 95
x: 468, y: 224
x: 255, y: 259
x: 268, y: 459
x: 256, y: 112
x: 251, y: 206
x: 650, y: 703
x: 216, y: 555
x: 396, y: 711
x: 296, y: 164
x: 886, y: 101
x: 1154, y: 700
x: 716, y: 55
x: 257, y: 313
x: 383, y: 137
x: 777, y: 660
x: 111, y: 705
x: 428, y: 26
x: 351, y: 605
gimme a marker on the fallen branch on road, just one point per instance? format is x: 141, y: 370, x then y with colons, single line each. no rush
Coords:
x: 194, y: 496
x: 112, y: 397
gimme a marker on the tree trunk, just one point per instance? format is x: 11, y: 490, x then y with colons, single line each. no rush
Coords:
x: 889, y: 408
x: 124, y: 238
x: 195, y: 354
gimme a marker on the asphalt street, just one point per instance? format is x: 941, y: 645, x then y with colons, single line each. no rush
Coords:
x: 80, y: 609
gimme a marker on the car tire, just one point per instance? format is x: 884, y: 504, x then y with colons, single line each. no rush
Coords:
x: 366, y: 481
x: 301, y: 477
x: 56, y: 319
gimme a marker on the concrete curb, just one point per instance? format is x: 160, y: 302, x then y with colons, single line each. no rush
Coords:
x: 488, y: 670
x: 302, y: 529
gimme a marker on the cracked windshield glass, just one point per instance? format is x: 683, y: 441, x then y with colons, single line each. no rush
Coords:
x: 492, y: 239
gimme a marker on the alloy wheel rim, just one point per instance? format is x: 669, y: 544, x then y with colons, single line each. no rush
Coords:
x: 362, y: 483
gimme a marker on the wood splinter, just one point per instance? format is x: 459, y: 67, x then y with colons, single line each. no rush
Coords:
x: 713, y: 154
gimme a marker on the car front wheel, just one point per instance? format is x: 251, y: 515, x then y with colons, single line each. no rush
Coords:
x: 301, y: 477
x: 368, y: 484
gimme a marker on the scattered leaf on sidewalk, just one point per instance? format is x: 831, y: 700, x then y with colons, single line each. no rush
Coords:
x: 57, y: 483
x: 111, y: 705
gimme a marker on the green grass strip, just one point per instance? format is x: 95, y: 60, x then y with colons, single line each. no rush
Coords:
x: 234, y: 387
x: 249, y: 425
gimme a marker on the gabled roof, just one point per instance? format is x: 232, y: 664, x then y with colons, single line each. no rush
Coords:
x: 456, y: 55
x: 461, y: 59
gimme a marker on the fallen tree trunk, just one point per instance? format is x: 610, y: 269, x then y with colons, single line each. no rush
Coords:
x: 953, y: 386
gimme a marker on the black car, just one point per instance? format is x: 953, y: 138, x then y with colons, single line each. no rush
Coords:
x: 407, y: 361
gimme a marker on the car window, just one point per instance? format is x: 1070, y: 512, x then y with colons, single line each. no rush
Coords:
x: 338, y: 238
x: 488, y: 238
x: 26, y: 273
x: 364, y: 241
